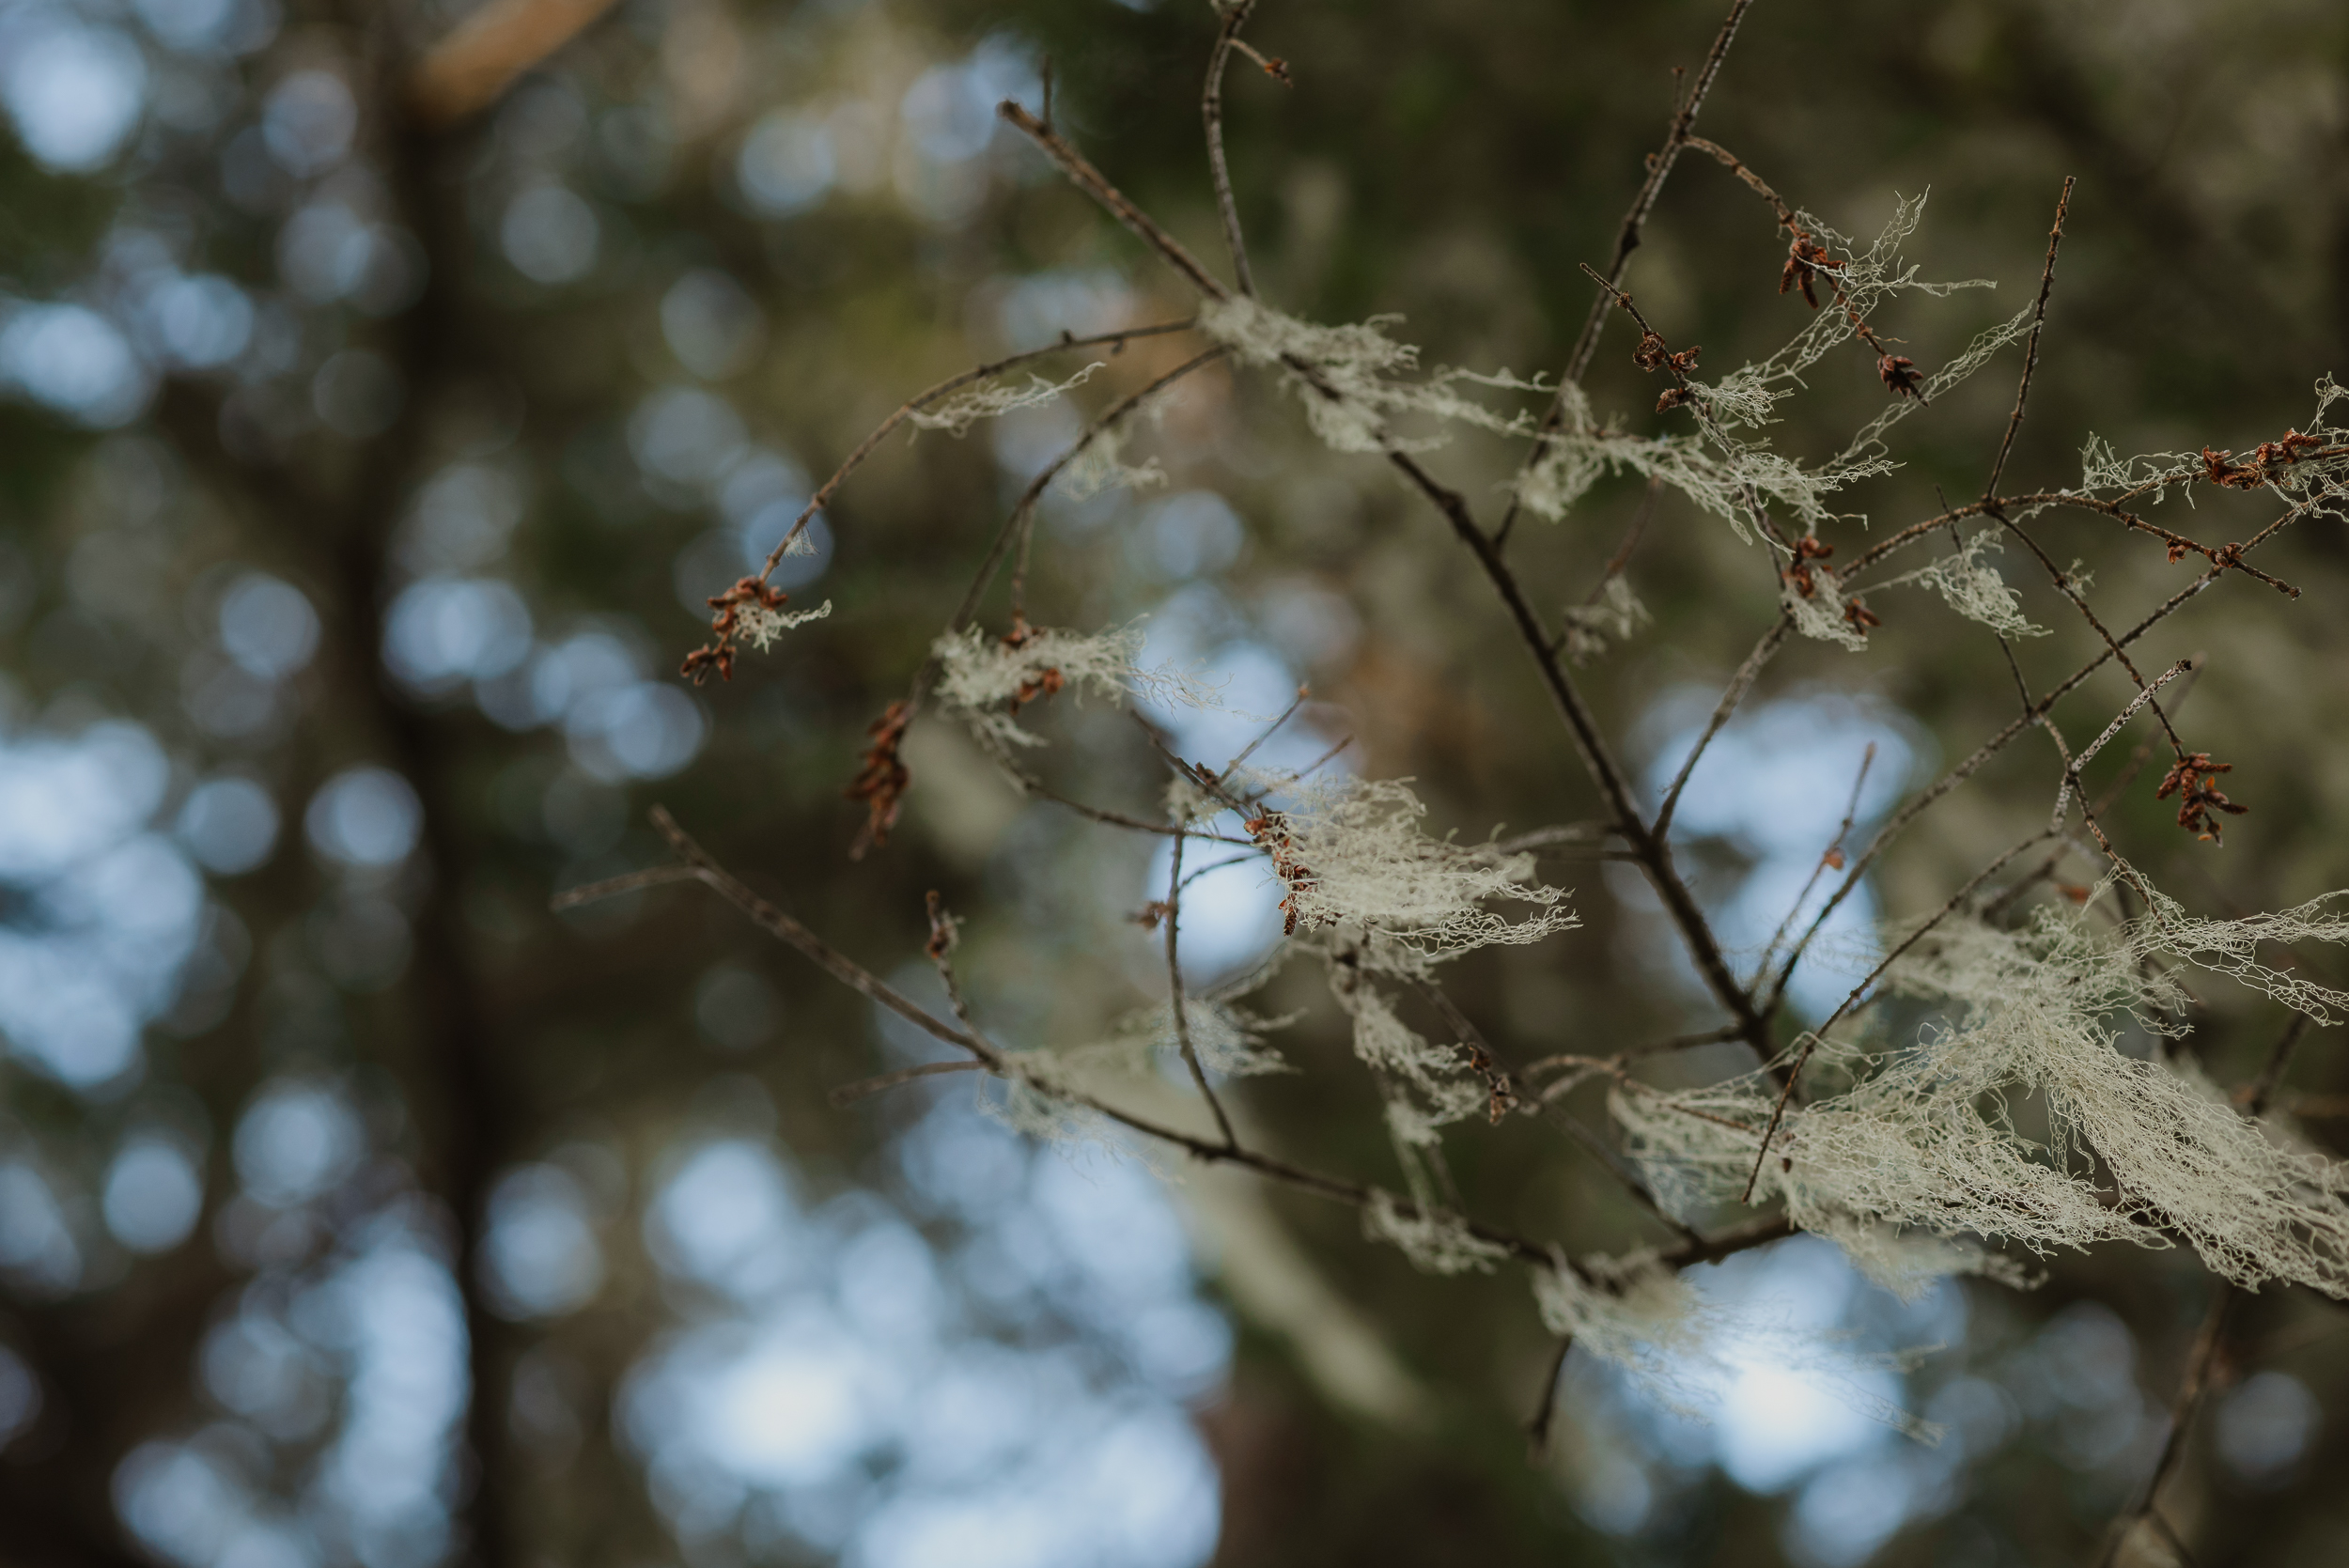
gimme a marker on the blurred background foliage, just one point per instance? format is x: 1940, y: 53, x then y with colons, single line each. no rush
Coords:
x: 365, y: 476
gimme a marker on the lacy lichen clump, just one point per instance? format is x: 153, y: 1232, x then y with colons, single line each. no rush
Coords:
x: 1435, y: 1240
x: 1729, y: 480
x: 1647, y: 1320
x: 1684, y: 1346
x: 1354, y: 862
x: 985, y: 681
x: 1345, y: 377
x: 759, y: 626
x: 1101, y: 467
x: 1228, y: 1039
x: 2137, y: 1148
x: 2308, y: 469
x: 1974, y: 588
x: 956, y: 415
x: 1426, y: 1088
x: 1615, y: 616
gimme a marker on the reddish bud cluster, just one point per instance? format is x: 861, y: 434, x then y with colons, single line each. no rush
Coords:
x: 1654, y: 353
x: 2256, y: 469
x: 942, y: 934
x: 880, y: 783
x: 1044, y: 683
x: 1270, y: 832
x: 1899, y: 373
x: 1501, y: 1097
x: 1798, y: 575
x: 725, y: 623
x: 2189, y: 779
x: 1806, y: 258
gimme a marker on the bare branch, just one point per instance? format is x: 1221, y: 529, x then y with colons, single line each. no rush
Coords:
x: 1115, y: 341
x: 848, y: 1094
x: 1211, y: 110
x: 2030, y: 348
x: 1090, y: 180
x: 1659, y: 169
x: 1174, y: 998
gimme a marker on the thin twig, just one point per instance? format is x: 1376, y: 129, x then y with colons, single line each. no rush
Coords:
x: 1831, y: 856
x: 1267, y: 733
x: 1211, y: 111
x: 1537, y: 1429
x: 848, y: 1094
x: 612, y: 887
x: 1175, y: 1001
x: 1739, y: 684
x: 1812, y: 1039
x: 1659, y: 169
x: 945, y: 933
x: 2194, y: 1385
x: 923, y: 399
x: 1073, y: 165
x: 2030, y: 348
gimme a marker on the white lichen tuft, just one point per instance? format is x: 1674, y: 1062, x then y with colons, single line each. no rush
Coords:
x: 1974, y: 588
x: 2102, y: 469
x: 956, y: 415
x: 1615, y: 618
x: 985, y: 681
x: 1683, y: 1347
x: 1435, y: 1240
x: 1647, y: 1320
x: 1909, y: 1263
x: 1745, y: 397
x: 1580, y: 450
x: 759, y: 626
x: 1821, y: 614
x: 1427, y: 1087
x: 1102, y: 467
x: 1925, y: 1137
x: 1352, y: 861
x: 1228, y: 1039
x: 1346, y: 377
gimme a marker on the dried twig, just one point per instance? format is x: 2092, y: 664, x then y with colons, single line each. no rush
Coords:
x: 2030, y: 348
x: 1174, y: 996
x: 1211, y: 111
x: 2195, y: 1383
